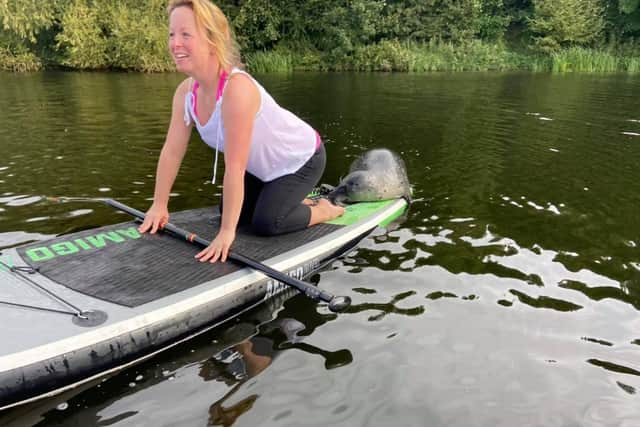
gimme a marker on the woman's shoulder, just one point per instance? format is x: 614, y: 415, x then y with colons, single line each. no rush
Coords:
x: 241, y: 95
x: 240, y: 82
x: 184, y: 87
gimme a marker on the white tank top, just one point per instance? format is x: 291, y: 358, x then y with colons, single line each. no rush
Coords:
x: 280, y: 142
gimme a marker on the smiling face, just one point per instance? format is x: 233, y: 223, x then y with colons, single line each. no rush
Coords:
x: 187, y: 45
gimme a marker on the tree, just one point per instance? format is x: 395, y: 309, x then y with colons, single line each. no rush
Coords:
x: 26, y: 18
x: 349, y: 24
x: 82, y: 38
x: 624, y: 18
x: 628, y: 6
x: 493, y: 20
x: 259, y: 21
x: 451, y: 20
x: 561, y: 23
x: 129, y: 34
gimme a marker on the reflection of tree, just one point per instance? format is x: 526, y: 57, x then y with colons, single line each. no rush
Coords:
x: 629, y: 292
x: 332, y: 359
x: 545, y: 302
x: 387, y: 308
x: 614, y: 367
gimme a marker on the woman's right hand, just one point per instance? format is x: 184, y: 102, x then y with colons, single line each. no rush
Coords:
x: 155, y: 219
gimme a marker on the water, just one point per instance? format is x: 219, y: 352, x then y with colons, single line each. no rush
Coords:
x: 509, y: 295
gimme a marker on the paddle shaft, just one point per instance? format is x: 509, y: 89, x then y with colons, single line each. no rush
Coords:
x: 307, y: 289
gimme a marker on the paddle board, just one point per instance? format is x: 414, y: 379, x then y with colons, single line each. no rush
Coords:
x: 86, y: 304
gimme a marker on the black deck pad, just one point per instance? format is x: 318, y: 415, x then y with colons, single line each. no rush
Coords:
x: 117, y: 264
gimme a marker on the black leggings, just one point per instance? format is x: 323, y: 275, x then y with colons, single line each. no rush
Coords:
x: 275, y: 207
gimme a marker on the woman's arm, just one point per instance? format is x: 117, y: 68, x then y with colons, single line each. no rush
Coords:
x: 239, y: 107
x: 171, y: 156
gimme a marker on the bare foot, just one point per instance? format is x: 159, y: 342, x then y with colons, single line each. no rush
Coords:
x: 323, y: 211
x: 310, y: 202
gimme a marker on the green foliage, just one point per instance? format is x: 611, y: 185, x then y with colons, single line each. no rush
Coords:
x: 353, y: 24
x: 270, y: 62
x: 384, y: 56
x: 284, y: 59
x: 138, y: 35
x: 26, y: 18
x: 82, y: 39
x: 632, y: 65
x: 423, y: 20
x: 628, y: 6
x: 579, y: 59
x: 124, y: 34
x: 15, y: 54
x: 19, y: 61
x: 623, y: 19
x: 260, y: 21
x: 394, y: 55
x: 367, y: 35
x: 493, y: 20
x: 562, y: 23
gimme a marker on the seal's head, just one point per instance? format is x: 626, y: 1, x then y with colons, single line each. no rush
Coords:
x: 378, y: 174
x: 358, y: 186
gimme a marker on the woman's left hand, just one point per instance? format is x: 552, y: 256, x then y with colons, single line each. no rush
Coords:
x: 219, y: 248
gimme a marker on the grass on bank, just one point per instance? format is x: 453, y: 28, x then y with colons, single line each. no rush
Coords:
x: 441, y: 56
x: 391, y: 56
x: 586, y: 61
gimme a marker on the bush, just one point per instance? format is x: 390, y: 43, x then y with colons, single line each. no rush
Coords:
x: 564, y: 23
x: 15, y: 54
x: 18, y: 61
x: 83, y: 41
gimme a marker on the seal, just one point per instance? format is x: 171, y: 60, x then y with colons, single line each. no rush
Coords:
x: 378, y: 174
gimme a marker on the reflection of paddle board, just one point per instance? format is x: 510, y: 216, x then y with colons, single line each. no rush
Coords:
x: 140, y: 294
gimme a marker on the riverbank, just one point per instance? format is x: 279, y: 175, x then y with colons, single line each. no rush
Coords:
x: 438, y: 56
x: 396, y: 56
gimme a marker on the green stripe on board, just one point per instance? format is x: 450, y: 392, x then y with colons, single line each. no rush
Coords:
x: 394, y: 216
x: 356, y: 212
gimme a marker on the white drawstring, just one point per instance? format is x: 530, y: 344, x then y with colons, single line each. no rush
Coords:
x: 215, y: 162
x: 187, y: 105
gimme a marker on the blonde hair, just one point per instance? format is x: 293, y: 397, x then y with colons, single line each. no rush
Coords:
x: 215, y: 26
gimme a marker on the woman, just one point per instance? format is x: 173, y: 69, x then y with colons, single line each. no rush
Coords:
x: 273, y: 159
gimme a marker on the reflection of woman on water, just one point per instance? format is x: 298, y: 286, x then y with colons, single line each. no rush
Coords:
x: 273, y: 159
x: 237, y: 364
x: 252, y: 344
x: 246, y: 359
x: 251, y: 356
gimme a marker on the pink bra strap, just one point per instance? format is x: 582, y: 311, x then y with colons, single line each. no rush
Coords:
x: 196, y: 85
x: 221, y: 83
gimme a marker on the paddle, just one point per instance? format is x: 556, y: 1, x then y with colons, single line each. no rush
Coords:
x: 336, y: 303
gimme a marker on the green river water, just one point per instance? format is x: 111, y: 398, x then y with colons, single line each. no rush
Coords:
x: 507, y: 296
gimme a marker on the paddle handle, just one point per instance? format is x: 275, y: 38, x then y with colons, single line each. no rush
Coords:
x: 336, y: 303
